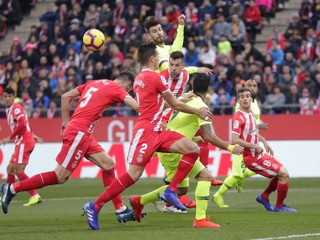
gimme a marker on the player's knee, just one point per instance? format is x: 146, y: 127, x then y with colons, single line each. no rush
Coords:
x: 108, y: 165
x: 283, y: 175
x: 204, y: 175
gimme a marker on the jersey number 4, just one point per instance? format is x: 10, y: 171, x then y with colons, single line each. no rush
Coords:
x: 86, y: 98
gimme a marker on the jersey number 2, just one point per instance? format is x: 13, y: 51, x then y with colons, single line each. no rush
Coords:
x: 87, y: 96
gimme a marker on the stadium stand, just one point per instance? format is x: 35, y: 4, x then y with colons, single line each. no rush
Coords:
x: 273, y: 41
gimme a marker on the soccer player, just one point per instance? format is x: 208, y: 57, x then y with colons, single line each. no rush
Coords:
x: 154, y: 29
x: 245, y: 133
x: 78, y: 142
x: 177, y: 77
x: 148, y: 137
x: 187, y: 125
x: 24, y: 143
x: 239, y: 171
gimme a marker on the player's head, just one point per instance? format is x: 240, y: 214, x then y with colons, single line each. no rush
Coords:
x: 153, y: 28
x: 8, y: 96
x: 252, y: 85
x: 148, y: 55
x: 126, y: 79
x: 176, y: 63
x: 244, y: 97
x: 201, y: 83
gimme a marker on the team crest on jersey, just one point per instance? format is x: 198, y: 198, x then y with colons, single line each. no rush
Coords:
x: 236, y: 124
x: 140, y: 158
x: 17, y: 111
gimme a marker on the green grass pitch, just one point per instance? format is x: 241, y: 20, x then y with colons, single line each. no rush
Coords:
x: 59, y: 215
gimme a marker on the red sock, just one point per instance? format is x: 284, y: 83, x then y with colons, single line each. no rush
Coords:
x: 282, y: 193
x: 204, y: 153
x: 36, y: 182
x: 185, y: 165
x: 116, y: 187
x: 107, y: 178
x: 270, y: 188
x: 22, y: 176
x: 10, y: 178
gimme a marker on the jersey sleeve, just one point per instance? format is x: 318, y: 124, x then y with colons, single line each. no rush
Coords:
x: 178, y: 42
x: 237, y: 124
x: 191, y: 70
x: 120, y: 93
x: 161, y: 84
x: 17, y: 111
x: 81, y: 88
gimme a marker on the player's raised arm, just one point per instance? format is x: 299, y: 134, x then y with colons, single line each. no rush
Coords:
x: 178, y: 42
x: 66, y: 99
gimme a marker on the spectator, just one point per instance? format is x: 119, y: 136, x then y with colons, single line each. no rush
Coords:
x: 293, y: 99
x: 274, y: 101
x: 159, y: 10
x: 276, y: 53
x: 192, y: 55
x: 16, y: 49
x: 221, y: 27
x: 224, y: 46
x: 118, y: 12
x: 41, y: 101
x: 295, y: 24
x: 91, y: 13
x: 205, y: 8
x: 278, y: 37
x: 237, y: 33
x: 26, y: 102
x: 172, y: 13
x: 311, y: 108
x: 309, y: 84
x: 53, y: 111
x: 130, y: 14
x: 236, y: 8
x: 207, y: 56
x: 74, y: 43
x: 223, y: 108
x: 252, y: 20
x: 192, y: 13
x: 51, y: 16
x: 305, y: 62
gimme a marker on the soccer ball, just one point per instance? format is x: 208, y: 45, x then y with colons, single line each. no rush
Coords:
x: 93, y: 39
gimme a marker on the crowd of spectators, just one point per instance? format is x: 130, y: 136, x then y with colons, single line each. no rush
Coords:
x: 218, y: 34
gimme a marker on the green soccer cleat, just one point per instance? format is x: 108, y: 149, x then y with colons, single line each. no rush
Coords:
x: 33, y: 201
x: 218, y: 200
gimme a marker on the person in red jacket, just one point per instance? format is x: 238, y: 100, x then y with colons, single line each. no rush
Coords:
x: 252, y: 20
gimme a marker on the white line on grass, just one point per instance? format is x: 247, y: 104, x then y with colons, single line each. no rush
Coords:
x: 291, y: 236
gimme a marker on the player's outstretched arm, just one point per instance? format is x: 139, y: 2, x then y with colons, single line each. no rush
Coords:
x: 129, y: 101
x: 178, y: 42
x: 66, y: 99
x: 37, y: 138
x: 209, y: 136
x: 266, y: 145
x: 203, y: 112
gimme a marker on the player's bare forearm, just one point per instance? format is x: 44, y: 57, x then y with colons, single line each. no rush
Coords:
x: 236, y: 140
x: 209, y: 136
x: 66, y: 100
x: 129, y: 101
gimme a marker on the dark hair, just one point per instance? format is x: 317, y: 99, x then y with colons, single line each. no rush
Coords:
x: 127, y: 76
x: 201, y: 83
x: 150, y: 22
x: 241, y: 90
x: 145, y: 51
x: 177, y: 55
x: 9, y: 90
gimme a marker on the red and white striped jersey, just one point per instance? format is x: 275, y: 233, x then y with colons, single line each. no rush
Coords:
x: 13, y: 113
x: 177, y: 86
x: 245, y: 126
x: 148, y: 87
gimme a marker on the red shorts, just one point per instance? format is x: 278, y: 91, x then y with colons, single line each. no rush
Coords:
x: 76, y: 145
x: 22, y: 152
x: 266, y: 165
x: 145, y: 142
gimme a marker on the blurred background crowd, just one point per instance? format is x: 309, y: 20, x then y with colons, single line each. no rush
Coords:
x: 219, y: 34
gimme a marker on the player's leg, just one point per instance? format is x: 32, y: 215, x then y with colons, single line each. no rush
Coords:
x: 10, y: 173
x: 238, y: 168
x: 202, y: 194
x: 106, y: 163
x: 190, y: 151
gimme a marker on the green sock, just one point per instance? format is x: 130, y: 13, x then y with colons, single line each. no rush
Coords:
x: 228, y: 183
x: 249, y: 173
x: 152, y: 196
x: 202, y: 194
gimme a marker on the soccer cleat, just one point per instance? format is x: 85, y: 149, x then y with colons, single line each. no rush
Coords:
x: 125, y: 216
x: 92, y: 215
x: 216, y: 182
x: 187, y: 202
x: 239, y: 185
x: 204, y: 223
x: 7, y: 196
x: 171, y: 197
x: 284, y: 208
x: 33, y: 201
x: 160, y: 206
x: 172, y: 209
x: 218, y: 200
x: 264, y: 202
x: 137, y: 207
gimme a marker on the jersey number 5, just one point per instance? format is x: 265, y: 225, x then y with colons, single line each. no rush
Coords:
x: 87, y: 96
